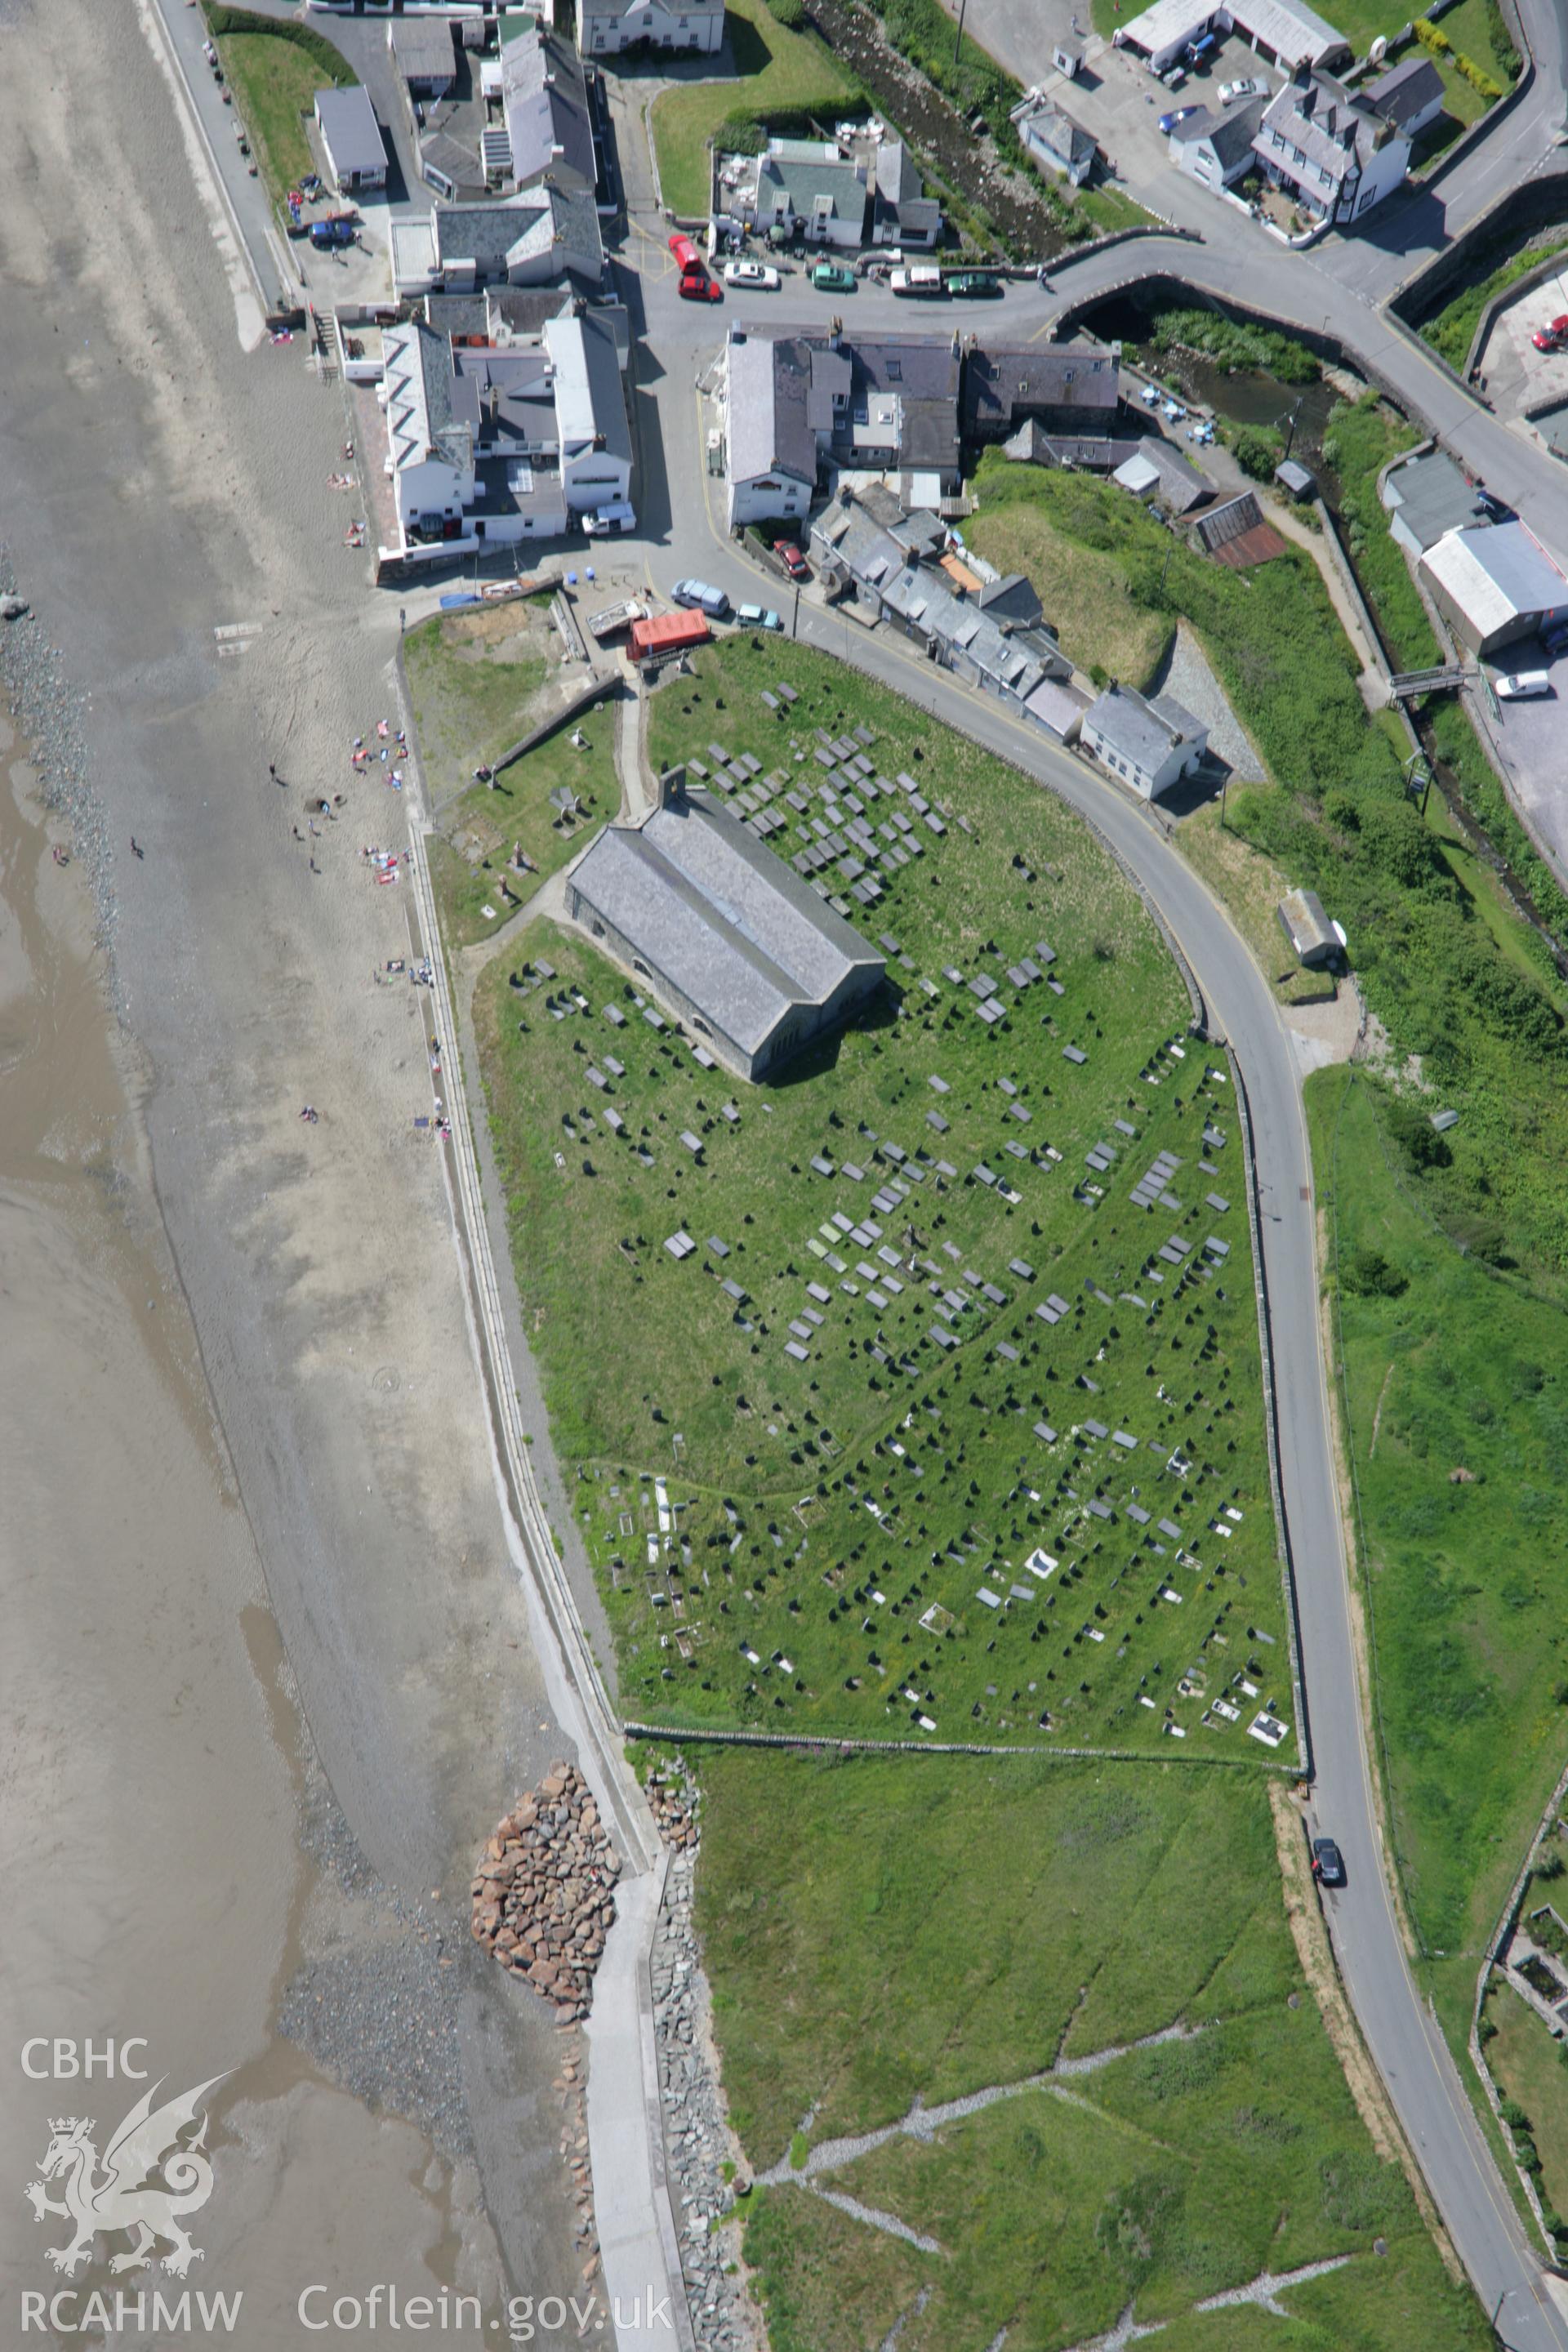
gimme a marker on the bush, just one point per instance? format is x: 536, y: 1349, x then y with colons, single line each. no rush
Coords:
x: 1369, y: 1273
x: 1256, y: 449
x: 1416, y: 1137
x: 1233, y: 344
x: 1430, y: 37
x: 788, y: 13
x: 1479, y: 78
x: 1513, y: 2115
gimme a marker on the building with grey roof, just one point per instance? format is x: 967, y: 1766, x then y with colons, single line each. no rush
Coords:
x: 1286, y: 32
x: 1426, y: 498
x: 423, y: 52
x: 1153, y: 469
x: 1409, y: 95
x: 901, y: 212
x: 1330, y: 150
x: 820, y: 196
x: 769, y: 440
x: 593, y: 436
x: 530, y: 240
x: 1150, y: 741
x: 1494, y: 585
x: 1064, y: 387
x: 1313, y: 939
x: 1216, y: 149
x: 352, y: 142
x: 1055, y: 139
x: 545, y: 100
x: 725, y: 934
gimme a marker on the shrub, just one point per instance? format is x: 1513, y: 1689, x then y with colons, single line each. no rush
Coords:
x: 1416, y: 1137
x: 1430, y: 37
x: 1513, y: 2115
x: 1479, y: 78
x: 1369, y: 1273
x: 1256, y: 449
x: 789, y: 14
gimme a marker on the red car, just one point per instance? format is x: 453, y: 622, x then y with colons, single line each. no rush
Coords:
x: 1551, y: 338
x: 697, y: 286
x: 790, y: 556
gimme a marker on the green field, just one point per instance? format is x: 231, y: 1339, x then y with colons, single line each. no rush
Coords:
x: 474, y: 683
x: 1083, y: 588
x: 947, y: 1513
x: 471, y: 860
x: 775, y: 72
x: 879, y: 1932
x: 1467, y: 1580
x: 275, y: 77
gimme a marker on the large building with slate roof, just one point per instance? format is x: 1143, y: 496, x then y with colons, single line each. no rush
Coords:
x: 736, y: 945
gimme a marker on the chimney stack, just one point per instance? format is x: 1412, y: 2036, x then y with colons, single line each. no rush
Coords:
x: 670, y: 792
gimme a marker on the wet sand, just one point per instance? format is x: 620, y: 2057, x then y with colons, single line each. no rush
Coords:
x: 156, y: 1771
x: 269, y: 1673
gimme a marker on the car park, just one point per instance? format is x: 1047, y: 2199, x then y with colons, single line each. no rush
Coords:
x: 1177, y: 114
x: 757, y: 616
x: 830, y: 279
x: 756, y: 274
x: 1551, y: 338
x: 707, y: 599
x: 1231, y: 93
x: 790, y: 556
x: 1328, y: 1862
x: 1522, y: 684
x: 976, y: 282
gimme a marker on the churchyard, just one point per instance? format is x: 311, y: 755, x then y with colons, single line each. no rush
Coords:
x: 916, y: 1395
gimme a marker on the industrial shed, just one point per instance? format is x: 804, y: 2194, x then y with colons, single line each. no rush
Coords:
x: 725, y: 935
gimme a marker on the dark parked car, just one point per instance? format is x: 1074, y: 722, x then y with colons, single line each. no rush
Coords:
x: 1328, y: 1862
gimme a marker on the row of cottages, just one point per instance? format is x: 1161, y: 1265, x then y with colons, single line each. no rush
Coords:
x: 843, y: 195
x: 490, y: 444
x: 730, y: 941
x: 801, y: 406
x: 607, y: 28
x: 896, y: 567
x: 805, y: 405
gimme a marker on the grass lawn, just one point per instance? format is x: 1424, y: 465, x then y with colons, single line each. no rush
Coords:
x: 1251, y: 887
x: 774, y: 71
x: 1466, y: 1581
x: 1363, y: 437
x: 474, y: 681
x: 1083, y: 588
x: 879, y: 1931
x: 275, y: 81
x: 948, y: 1471
x: 479, y: 830
x: 1110, y: 207
x: 1528, y: 2067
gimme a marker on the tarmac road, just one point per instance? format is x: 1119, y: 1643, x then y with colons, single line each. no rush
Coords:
x: 1407, y: 2044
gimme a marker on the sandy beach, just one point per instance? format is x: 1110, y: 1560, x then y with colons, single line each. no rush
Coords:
x: 268, y: 1678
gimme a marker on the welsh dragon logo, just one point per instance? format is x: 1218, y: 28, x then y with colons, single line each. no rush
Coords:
x: 125, y: 2197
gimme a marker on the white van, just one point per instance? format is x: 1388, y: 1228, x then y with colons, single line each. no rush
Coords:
x: 1523, y: 686
x: 606, y: 521
x: 923, y: 280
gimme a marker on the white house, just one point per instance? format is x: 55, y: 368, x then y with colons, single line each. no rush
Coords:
x: 1151, y: 743
x: 1333, y: 152
x: 430, y: 456
x: 1055, y: 139
x: 592, y: 432
x: 771, y: 442
x: 351, y: 138
x: 1216, y: 149
x: 606, y: 27
x: 813, y: 187
x: 532, y: 240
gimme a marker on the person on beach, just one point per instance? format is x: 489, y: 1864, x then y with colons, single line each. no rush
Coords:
x: 272, y: 770
x: 136, y: 847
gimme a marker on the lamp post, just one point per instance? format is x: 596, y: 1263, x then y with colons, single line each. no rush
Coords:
x: 958, y: 36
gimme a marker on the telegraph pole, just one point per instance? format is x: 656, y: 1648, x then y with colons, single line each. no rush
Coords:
x: 958, y: 38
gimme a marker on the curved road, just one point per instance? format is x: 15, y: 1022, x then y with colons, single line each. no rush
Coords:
x: 681, y: 509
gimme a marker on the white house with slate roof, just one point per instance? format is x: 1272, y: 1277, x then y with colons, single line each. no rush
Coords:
x: 1216, y: 149
x: 1330, y: 150
x: 1150, y: 743
x: 733, y: 943
x: 606, y: 27
x: 770, y: 447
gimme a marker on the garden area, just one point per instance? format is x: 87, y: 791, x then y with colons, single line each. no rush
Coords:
x: 1154, y: 2119
x: 937, y: 1408
x: 777, y: 72
x: 275, y: 67
x: 478, y: 682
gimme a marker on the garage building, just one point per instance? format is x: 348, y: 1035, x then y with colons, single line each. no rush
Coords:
x: 1495, y: 583
x: 1281, y: 31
